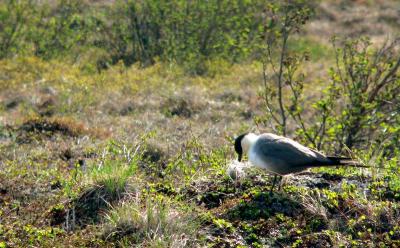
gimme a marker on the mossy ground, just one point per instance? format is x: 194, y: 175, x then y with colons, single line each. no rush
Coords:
x: 138, y: 157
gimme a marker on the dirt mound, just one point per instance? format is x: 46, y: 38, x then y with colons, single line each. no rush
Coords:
x: 246, y: 213
x: 264, y: 205
x: 86, y: 209
x: 210, y: 193
x: 179, y: 107
x: 38, y: 128
x: 64, y: 126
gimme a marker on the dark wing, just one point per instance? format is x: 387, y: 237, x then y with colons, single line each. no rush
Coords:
x: 286, y: 151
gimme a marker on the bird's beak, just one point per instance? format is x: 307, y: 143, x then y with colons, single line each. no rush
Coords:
x: 239, y: 157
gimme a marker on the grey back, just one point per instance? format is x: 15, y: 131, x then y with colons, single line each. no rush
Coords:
x: 282, y: 155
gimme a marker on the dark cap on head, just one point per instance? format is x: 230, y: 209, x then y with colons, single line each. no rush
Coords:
x: 238, y: 146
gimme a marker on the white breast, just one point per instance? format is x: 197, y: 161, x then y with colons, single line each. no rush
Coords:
x: 256, y: 160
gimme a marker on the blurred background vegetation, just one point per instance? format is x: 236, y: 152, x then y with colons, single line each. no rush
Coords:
x: 202, y: 36
x: 186, y: 32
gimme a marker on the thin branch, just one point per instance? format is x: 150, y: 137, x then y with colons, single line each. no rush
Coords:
x: 280, y: 85
x: 384, y: 81
x: 322, y: 129
x: 270, y: 59
x: 267, y: 103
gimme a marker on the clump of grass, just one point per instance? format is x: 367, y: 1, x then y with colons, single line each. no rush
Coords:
x: 109, y: 183
x: 158, y: 224
x: 113, y: 176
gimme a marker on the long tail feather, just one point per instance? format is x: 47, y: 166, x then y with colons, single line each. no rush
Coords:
x: 340, y: 161
x: 344, y: 161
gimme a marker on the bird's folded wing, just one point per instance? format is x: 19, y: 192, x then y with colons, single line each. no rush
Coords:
x: 288, y: 151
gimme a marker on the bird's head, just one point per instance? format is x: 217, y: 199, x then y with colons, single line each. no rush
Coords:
x: 238, y: 146
x: 243, y: 143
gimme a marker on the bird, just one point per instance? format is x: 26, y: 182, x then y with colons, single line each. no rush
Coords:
x: 281, y: 156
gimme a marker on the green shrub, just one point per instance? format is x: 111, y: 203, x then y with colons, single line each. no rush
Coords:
x: 59, y: 29
x: 182, y: 31
x: 14, y: 17
x: 360, y: 105
x: 367, y: 81
x: 190, y: 33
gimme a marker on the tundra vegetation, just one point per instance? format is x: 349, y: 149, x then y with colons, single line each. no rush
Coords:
x: 117, y: 120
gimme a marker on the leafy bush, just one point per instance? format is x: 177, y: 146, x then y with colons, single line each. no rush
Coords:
x: 183, y: 31
x: 360, y: 105
x: 57, y: 30
x: 368, y: 84
x: 13, y: 22
x: 187, y: 32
